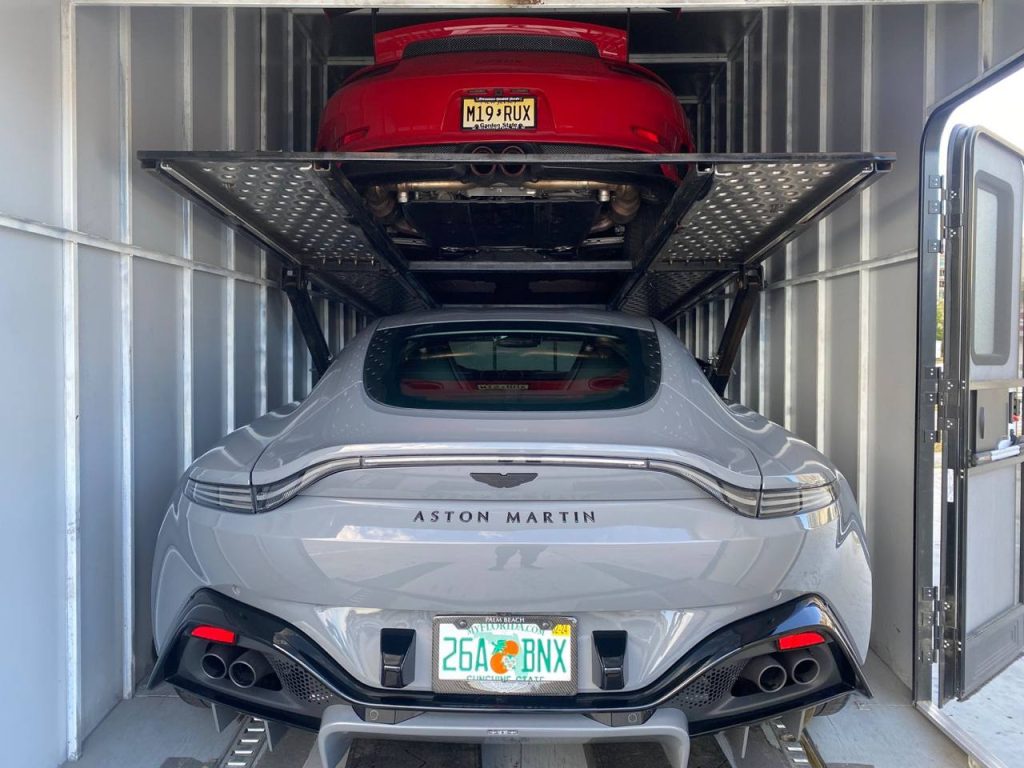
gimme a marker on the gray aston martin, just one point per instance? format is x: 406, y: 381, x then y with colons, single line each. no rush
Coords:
x: 513, y: 525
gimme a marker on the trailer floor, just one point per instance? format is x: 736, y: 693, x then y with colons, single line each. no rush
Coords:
x: 994, y: 716
x: 158, y: 730
x: 885, y: 732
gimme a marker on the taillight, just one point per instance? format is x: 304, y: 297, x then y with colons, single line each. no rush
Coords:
x: 215, y: 634
x: 814, y: 493
x: 800, y: 640
x: 230, y: 498
x: 809, y: 492
x: 355, y: 135
x: 647, y: 135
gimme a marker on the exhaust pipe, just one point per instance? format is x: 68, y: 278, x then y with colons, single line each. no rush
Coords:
x: 217, y: 659
x: 802, y: 667
x: 766, y: 673
x: 380, y: 202
x: 481, y: 170
x: 512, y: 170
x: 248, y: 669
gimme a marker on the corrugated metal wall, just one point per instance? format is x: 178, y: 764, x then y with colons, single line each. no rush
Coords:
x: 137, y: 331
x: 181, y: 331
x: 831, y: 353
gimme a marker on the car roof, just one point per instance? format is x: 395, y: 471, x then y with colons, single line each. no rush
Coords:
x: 554, y: 315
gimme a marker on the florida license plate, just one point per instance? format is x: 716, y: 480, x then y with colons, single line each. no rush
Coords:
x: 524, y: 655
x: 499, y: 113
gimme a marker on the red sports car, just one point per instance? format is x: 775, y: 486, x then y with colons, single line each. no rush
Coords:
x: 500, y: 88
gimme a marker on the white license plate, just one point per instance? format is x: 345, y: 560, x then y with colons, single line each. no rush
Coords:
x: 499, y: 113
x: 524, y: 655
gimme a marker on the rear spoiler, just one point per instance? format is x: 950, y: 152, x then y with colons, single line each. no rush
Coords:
x: 611, y: 43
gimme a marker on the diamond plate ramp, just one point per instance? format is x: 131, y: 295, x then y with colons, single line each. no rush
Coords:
x: 728, y: 214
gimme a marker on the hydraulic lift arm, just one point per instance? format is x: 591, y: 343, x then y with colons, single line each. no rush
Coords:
x: 296, y: 286
x: 744, y: 302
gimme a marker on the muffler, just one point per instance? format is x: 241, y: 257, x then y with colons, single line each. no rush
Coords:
x: 380, y: 202
x: 217, y: 659
x: 625, y: 204
x: 766, y: 673
x: 801, y: 667
x: 248, y: 669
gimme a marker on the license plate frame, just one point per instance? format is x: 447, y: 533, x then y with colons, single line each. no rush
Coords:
x: 548, y: 624
x: 498, y: 113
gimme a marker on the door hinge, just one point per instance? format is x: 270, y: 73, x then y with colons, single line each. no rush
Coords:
x: 929, y: 624
x: 953, y: 219
x: 936, y: 392
x: 936, y: 206
x: 937, y: 624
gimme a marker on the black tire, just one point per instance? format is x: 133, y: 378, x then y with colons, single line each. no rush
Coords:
x: 191, y: 699
x: 832, y: 707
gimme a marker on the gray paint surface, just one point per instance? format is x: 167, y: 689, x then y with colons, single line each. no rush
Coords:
x: 353, y: 554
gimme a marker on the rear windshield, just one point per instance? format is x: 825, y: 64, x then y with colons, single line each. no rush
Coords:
x: 521, y: 366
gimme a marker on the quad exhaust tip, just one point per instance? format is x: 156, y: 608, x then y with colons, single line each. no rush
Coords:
x: 248, y: 669
x: 217, y: 659
x: 483, y: 170
x: 766, y: 673
x: 802, y: 668
x: 512, y: 170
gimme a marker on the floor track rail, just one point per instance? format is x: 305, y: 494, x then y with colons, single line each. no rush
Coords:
x: 249, y: 745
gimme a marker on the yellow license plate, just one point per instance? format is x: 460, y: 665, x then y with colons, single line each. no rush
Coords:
x: 499, y: 113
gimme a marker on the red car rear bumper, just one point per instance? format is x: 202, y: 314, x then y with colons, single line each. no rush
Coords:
x: 579, y: 100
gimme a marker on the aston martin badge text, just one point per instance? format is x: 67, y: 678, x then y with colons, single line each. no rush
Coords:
x: 523, y: 518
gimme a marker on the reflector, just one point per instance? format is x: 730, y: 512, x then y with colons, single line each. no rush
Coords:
x: 800, y: 640
x: 215, y: 634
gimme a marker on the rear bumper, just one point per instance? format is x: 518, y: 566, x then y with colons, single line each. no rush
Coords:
x: 311, y: 681
x: 342, y: 723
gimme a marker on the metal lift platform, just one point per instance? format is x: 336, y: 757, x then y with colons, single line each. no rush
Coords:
x: 727, y: 214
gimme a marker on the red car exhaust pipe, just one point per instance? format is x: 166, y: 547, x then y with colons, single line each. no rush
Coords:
x: 248, y: 669
x: 512, y: 170
x: 801, y: 667
x: 217, y: 659
x: 483, y: 170
x: 766, y: 673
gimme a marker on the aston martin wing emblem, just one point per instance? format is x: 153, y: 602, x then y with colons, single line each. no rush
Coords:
x: 503, y: 480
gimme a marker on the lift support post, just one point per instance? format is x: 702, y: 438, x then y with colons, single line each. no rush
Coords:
x: 296, y: 286
x: 750, y: 283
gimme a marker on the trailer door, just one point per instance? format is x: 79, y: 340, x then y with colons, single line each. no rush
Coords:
x: 982, y: 602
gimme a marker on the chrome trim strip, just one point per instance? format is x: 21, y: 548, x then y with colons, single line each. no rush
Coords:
x: 463, y: 459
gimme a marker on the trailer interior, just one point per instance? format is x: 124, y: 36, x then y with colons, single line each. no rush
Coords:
x: 182, y: 260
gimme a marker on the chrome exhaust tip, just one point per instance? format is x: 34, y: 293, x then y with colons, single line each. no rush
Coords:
x: 801, y: 667
x: 248, y: 669
x: 766, y: 673
x: 217, y: 659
